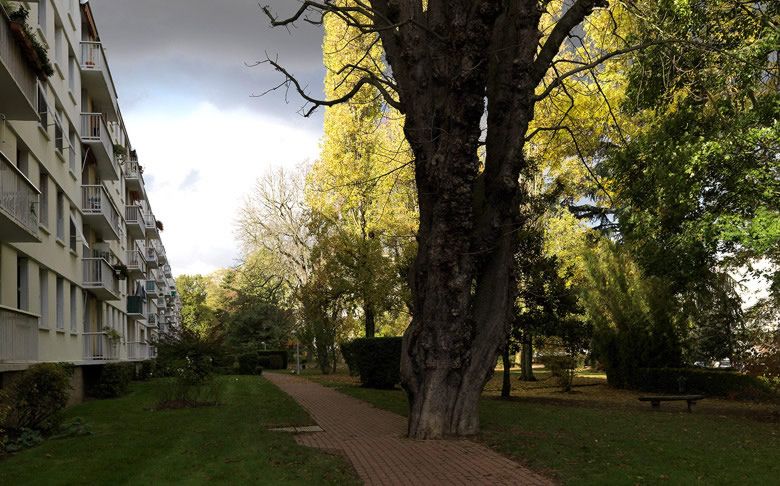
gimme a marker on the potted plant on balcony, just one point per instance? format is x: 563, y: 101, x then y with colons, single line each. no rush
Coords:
x: 34, y: 52
x: 160, y: 226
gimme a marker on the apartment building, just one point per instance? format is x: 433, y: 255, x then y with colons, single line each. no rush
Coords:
x: 84, y: 276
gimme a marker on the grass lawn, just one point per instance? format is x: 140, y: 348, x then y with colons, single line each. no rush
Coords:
x: 226, y: 444
x: 584, y: 442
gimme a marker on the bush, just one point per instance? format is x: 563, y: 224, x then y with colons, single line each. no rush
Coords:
x: 191, y: 359
x: 378, y: 361
x: 249, y: 364
x: 348, y: 353
x: 274, y: 360
x: 111, y: 380
x: 708, y: 382
x: 147, y: 370
x: 562, y: 367
x: 35, y: 400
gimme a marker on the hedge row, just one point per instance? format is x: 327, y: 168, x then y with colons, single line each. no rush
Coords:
x: 708, y: 382
x: 110, y: 380
x: 376, y: 360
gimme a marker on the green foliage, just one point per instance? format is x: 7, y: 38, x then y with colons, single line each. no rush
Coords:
x: 196, y: 314
x: 348, y: 353
x: 635, y: 317
x: 708, y: 382
x: 34, y: 401
x: 378, y: 361
x: 39, y: 57
x: 191, y: 359
x: 110, y: 380
x: 249, y: 364
x: 562, y: 367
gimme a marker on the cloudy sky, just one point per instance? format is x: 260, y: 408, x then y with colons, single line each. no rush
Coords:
x: 185, y: 89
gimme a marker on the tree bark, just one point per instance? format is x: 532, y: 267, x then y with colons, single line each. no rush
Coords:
x: 527, y: 359
x: 370, y: 317
x: 506, y: 385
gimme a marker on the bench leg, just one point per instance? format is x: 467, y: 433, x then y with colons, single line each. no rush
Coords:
x: 656, y: 404
x: 691, y: 403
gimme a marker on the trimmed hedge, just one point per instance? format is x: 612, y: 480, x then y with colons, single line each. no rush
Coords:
x: 378, y: 361
x: 348, y: 354
x: 709, y: 382
x: 111, y: 380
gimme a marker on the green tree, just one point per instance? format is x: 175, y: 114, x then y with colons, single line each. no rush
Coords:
x: 196, y: 314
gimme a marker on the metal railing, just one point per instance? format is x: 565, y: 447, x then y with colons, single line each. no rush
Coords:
x: 136, y: 260
x: 93, y: 58
x: 98, y: 346
x: 94, y: 130
x: 151, y: 222
x: 151, y: 287
x: 18, y: 196
x: 132, y: 169
x: 99, y: 274
x: 95, y: 200
x: 135, y: 305
x: 18, y: 336
x: 15, y: 61
x: 135, y: 215
x: 138, y: 351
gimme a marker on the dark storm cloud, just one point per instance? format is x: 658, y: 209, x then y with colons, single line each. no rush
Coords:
x: 197, y: 50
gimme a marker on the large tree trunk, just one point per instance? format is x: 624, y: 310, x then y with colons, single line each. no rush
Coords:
x: 527, y: 359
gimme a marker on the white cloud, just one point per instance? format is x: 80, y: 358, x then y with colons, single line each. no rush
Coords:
x: 228, y: 150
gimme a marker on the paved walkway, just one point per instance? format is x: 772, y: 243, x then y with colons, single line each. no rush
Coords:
x: 372, y: 439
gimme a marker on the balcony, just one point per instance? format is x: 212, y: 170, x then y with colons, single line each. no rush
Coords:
x: 151, y: 257
x: 151, y: 288
x: 18, y: 205
x: 136, y: 263
x: 18, y: 336
x: 99, y: 347
x: 133, y: 175
x: 18, y: 81
x: 135, y: 307
x: 167, y: 271
x: 100, y: 280
x: 94, y: 134
x: 138, y: 351
x: 99, y: 212
x: 151, y: 226
x: 136, y: 223
x: 96, y: 76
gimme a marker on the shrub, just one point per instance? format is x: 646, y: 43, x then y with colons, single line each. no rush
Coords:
x: 276, y: 360
x: 709, y: 382
x: 111, y: 380
x: 35, y: 399
x: 191, y: 359
x: 562, y: 367
x: 378, y: 361
x: 146, y: 370
x: 249, y: 364
x: 348, y: 352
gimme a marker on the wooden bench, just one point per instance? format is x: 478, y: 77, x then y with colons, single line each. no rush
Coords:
x: 656, y: 401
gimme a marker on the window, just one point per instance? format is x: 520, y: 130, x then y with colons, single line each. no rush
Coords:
x: 44, y: 188
x: 59, y: 44
x: 72, y: 234
x: 73, y: 307
x: 60, y: 304
x: 42, y: 11
x: 71, y: 72
x: 44, y: 295
x: 22, y: 160
x: 59, y: 134
x: 73, y: 143
x: 22, y: 284
x: 60, y: 216
x: 43, y: 108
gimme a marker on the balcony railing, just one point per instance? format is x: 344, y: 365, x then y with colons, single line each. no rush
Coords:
x: 135, y: 305
x: 95, y: 201
x: 94, y: 132
x: 136, y: 261
x: 19, y: 201
x: 18, y: 336
x: 17, y: 78
x: 98, y: 346
x: 99, y: 277
x: 151, y: 287
x: 132, y: 170
x: 138, y: 351
x: 93, y: 60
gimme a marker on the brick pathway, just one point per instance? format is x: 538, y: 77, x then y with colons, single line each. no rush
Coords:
x: 372, y: 439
